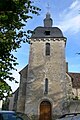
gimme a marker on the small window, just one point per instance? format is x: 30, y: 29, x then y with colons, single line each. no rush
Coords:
x: 47, y: 32
x: 46, y: 86
x: 47, y: 49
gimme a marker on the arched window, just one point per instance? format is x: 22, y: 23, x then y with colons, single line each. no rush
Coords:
x: 46, y: 86
x: 47, y: 49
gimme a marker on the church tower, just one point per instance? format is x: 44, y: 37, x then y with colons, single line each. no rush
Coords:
x: 46, y: 90
x: 46, y: 82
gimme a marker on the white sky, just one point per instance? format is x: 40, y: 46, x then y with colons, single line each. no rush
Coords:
x: 65, y: 14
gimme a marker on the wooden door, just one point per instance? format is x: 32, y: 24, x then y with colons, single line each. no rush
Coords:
x: 45, y: 110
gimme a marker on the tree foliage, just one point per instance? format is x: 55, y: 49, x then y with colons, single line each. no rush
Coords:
x: 14, y: 15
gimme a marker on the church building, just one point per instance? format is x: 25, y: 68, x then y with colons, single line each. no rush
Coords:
x: 46, y: 87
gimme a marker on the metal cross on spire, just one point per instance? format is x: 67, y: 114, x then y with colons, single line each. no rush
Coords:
x: 48, y: 7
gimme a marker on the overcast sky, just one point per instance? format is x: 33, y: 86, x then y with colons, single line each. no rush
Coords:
x: 65, y: 15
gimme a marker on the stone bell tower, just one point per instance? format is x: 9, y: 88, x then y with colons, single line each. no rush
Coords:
x: 43, y: 89
x: 46, y: 81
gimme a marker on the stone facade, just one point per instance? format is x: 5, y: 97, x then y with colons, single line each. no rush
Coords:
x: 41, y: 67
x: 22, y: 90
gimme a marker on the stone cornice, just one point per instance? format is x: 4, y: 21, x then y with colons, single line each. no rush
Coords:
x: 47, y: 39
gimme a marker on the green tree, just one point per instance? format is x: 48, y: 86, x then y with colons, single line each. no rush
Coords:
x: 14, y: 15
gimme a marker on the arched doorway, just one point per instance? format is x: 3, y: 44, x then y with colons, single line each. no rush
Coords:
x: 45, y: 110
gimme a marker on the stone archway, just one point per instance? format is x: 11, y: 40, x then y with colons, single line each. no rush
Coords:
x: 45, y: 110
